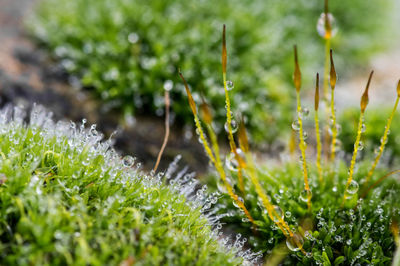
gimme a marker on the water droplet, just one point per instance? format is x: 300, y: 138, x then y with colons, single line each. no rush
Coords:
x: 133, y: 37
x: 235, y: 204
x: 321, y: 27
x: 288, y: 214
x: 353, y: 187
x: 168, y: 85
x: 360, y: 145
x: 296, y: 125
x: 334, y: 189
x: 383, y: 140
x: 278, y: 214
x: 221, y: 187
x: 379, y: 210
x: 305, y: 135
x: 229, y: 85
x: 231, y: 163
x: 304, y: 195
x: 295, y: 242
x: 128, y: 161
x: 363, y: 128
x: 234, y: 126
x: 304, y: 112
x: 348, y: 242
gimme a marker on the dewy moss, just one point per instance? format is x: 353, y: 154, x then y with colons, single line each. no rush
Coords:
x: 66, y: 197
x: 324, y: 216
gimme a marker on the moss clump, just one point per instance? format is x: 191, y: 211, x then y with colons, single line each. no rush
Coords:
x: 356, y: 233
x: 129, y: 50
x: 68, y: 198
x: 339, y: 213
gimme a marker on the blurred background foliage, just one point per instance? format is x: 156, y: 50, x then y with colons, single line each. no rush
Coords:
x: 129, y: 51
x: 375, y: 122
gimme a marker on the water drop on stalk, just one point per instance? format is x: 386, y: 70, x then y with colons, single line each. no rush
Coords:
x: 363, y: 128
x: 305, y: 135
x: 353, y: 187
x: 231, y: 162
x: 304, y: 112
x: 230, y: 85
x: 296, y: 125
x: 321, y: 26
x: 278, y: 213
x: 295, y: 242
x: 235, y: 203
x: 360, y: 145
x: 304, y: 195
x: 234, y: 126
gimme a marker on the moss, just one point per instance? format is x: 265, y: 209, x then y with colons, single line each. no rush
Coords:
x: 68, y: 198
x: 343, y: 212
x: 359, y: 232
x: 129, y: 50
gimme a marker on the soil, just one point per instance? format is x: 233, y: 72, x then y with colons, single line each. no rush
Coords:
x: 28, y: 75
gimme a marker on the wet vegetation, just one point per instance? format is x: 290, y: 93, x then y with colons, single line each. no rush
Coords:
x: 130, y: 54
x: 333, y: 211
x: 68, y: 198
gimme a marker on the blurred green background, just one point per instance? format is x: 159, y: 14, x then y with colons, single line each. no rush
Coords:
x: 128, y: 52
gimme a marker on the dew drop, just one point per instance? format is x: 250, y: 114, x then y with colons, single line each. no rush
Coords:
x: 221, y: 187
x: 360, y: 145
x: 234, y: 126
x: 128, y: 161
x: 383, y: 140
x: 230, y: 85
x: 305, y: 135
x: 304, y: 112
x: 278, y: 214
x: 304, y: 195
x: 363, y: 128
x: 296, y: 125
x: 235, y: 204
x: 231, y: 163
x: 322, y: 29
x: 295, y: 242
x: 353, y: 187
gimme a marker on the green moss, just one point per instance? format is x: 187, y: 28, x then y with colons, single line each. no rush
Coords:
x: 360, y: 234
x: 129, y: 50
x: 68, y: 198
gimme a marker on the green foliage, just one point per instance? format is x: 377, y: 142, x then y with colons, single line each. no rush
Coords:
x: 356, y: 233
x: 334, y: 214
x: 129, y: 50
x: 375, y: 122
x: 68, y: 199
